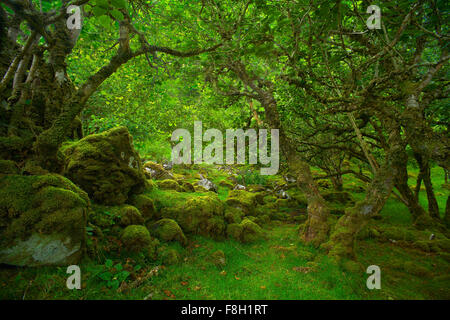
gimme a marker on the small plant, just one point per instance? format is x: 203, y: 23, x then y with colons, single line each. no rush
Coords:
x: 251, y: 177
x: 113, y: 275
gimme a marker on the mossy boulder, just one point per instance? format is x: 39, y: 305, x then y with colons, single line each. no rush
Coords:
x: 136, y: 238
x: 226, y: 184
x: 247, y: 231
x: 168, y: 230
x: 130, y: 215
x: 233, y: 215
x: 201, y: 215
x: 145, y: 206
x: 169, y: 184
x: 241, y: 199
x: 187, y: 186
x: 156, y: 171
x: 169, y: 256
x: 42, y: 220
x: 105, y: 165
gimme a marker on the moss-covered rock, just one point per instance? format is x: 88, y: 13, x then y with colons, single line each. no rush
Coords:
x: 105, y: 165
x: 199, y: 215
x: 136, y: 238
x: 187, y: 186
x: 42, y: 220
x: 246, y: 231
x: 241, y: 199
x: 145, y: 206
x: 130, y: 215
x: 170, y: 256
x: 169, y: 184
x: 168, y: 230
x: 226, y: 184
x: 233, y: 215
x: 156, y: 171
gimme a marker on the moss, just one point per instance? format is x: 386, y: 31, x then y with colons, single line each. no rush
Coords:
x: 170, y: 257
x: 241, y: 199
x: 169, y: 184
x: 42, y: 205
x: 8, y: 167
x: 105, y: 165
x: 247, y: 231
x: 398, y: 233
x: 269, y: 199
x: 130, y: 215
x: 145, y: 206
x: 136, y: 238
x: 187, y: 186
x: 199, y: 215
x: 233, y: 215
x: 168, y: 230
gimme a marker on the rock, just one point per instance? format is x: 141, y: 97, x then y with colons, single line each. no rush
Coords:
x: 207, y: 184
x: 168, y: 165
x: 156, y: 171
x: 256, y: 188
x: 187, y: 186
x: 168, y: 230
x: 130, y: 215
x: 289, y: 179
x: 136, y: 238
x: 241, y: 199
x: 145, y: 206
x: 246, y: 231
x: 169, y: 184
x: 283, y: 194
x: 201, y: 215
x: 42, y: 220
x: 239, y: 187
x: 105, y: 165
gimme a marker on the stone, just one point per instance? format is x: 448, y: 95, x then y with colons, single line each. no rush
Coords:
x: 105, y: 165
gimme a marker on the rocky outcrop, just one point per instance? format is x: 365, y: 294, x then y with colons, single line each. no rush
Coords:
x: 105, y: 165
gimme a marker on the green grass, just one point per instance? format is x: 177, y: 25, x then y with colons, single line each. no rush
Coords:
x: 279, y: 267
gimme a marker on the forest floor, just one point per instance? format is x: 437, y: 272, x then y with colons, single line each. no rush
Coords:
x: 277, y: 267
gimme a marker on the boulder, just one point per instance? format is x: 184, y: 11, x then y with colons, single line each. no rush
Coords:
x: 156, y: 171
x: 42, y: 220
x: 105, y: 165
x: 145, y: 205
x: 241, y: 199
x: 168, y: 230
x: 136, y: 238
x: 207, y: 184
x: 169, y: 184
x: 247, y: 231
x: 201, y: 215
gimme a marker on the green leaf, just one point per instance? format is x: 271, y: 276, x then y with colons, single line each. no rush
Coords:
x: 121, y: 4
x: 108, y: 263
x: 98, y: 11
x: 105, y: 21
x: 106, y: 276
x: 117, y: 14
